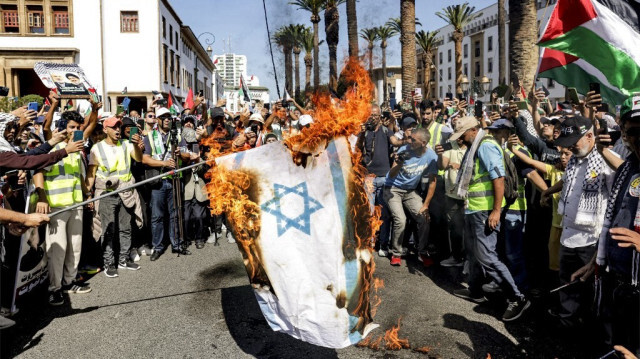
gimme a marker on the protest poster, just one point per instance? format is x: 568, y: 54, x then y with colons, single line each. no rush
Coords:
x: 68, y: 80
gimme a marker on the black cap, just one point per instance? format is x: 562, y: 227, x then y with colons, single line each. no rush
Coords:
x: 128, y: 122
x: 408, y: 121
x: 572, y: 129
x: 217, y: 112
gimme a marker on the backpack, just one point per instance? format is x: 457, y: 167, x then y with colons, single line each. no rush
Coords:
x: 510, y: 179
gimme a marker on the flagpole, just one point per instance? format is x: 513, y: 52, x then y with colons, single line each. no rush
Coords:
x: 107, y: 194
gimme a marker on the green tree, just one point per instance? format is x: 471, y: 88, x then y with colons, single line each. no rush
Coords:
x: 314, y: 7
x: 426, y: 41
x: 332, y: 32
x: 371, y: 36
x: 385, y: 33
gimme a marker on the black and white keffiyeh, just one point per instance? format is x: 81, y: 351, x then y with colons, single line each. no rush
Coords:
x: 5, y: 118
x: 593, y: 189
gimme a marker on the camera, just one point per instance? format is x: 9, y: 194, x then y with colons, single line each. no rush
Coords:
x: 4, y: 91
x: 403, y: 156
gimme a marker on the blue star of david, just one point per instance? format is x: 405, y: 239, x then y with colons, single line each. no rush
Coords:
x: 284, y: 223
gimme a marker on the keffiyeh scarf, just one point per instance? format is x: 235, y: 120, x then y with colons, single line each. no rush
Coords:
x: 466, y: 171
x: 5, y: 118
x: 593, y: 189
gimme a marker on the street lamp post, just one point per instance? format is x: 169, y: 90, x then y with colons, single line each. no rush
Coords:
x: 209, y: 40
x: 464, y: 85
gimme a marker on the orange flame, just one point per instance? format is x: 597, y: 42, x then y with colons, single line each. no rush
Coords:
x: 392, y: 341
x: 424, y: 349
x: 488, y: 356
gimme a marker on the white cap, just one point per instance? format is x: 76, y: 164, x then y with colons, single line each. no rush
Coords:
x: 105, y: 115
x: 162, y: 111
x: 255, y: 117
x: 305, y: 120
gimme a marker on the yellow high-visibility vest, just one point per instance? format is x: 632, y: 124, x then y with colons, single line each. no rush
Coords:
x: 480, y: 195
x: 62, y: 183
x: 521, y: 202
x: 114, y: 166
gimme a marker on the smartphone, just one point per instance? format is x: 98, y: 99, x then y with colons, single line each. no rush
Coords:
x: 11, y: 173
x: 119, y: 110
x: 460, y: 97
x: 493, y: 108
x: 478, y: 109
x: 386, y: 114
x: 33, y: 106
x: 449, y: 95
x: 140, y: 123
x: 78, y: 136
x: 595, y: 87
x: 572, y: 96
x: 447, y: 146
x: 540, y: 86
x: 418, y: 91
x: 195, y: 148
x: 522, y: 105
x: 133, y: 131
x: 615, y: 136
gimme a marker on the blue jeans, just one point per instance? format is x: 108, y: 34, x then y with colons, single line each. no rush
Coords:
x: 163, y: 216
x: 480, y: 242
x: 514, y: 247
x: 385, y: 228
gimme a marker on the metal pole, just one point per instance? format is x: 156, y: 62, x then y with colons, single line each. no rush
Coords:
x: 172, y: 172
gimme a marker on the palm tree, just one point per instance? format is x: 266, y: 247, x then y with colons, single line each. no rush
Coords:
x: 385, y: 33
x: 426, y: 41
x: 283, y: 38
x: 352, y: 28
x: 314, y: 7
x: 297, y: 33
x: 331, y: 28
x: 502, y: 61
x: 408, y: 46
x: 307, y: 44
x: 371, y: 35
x: 396, y: 23
x: 523, y: 34
x: 458, y: 16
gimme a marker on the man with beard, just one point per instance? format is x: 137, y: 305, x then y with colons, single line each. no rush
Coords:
x: 585, y: 187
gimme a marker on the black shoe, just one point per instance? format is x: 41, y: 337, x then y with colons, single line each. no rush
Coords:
x: 56, y: 298
x: 491, y: 287
x: 6, y: 323
x: 199, y: 244
x: 111, y: 271
x: 155, y: 255
x: 183, y: 251
x: 466, y: 294
x: 129, y: 265
x: 515, y: 309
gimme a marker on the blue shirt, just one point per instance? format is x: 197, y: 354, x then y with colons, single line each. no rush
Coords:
x: 413, y: 169
x: 491, y: 160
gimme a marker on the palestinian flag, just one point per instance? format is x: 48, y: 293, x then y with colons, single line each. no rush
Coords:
x: 603, y: 33
x: 571, y: 71
x: 244, y: 90
x: 174, y: 105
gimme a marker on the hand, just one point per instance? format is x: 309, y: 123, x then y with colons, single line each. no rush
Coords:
x: 455, y: 166
x: 513, y: 110
x: 54, y: 98
x: 222, y: 102
x: 43, y: 207
x: 396, y: 115
x: 603, y: 141
x: 90, y: 206
x: 626, y: 237
x: 73, y: 147
x: 584, y: 273
x: 194, y: 157
x: 19, y: 112
x: 462, y: 105
x: 28, y: 117
x: 95, y: 106
x: 544, y: 198
x: 494, y: 116
x: 200, y: 132
x: 424, y: 211
x: 35, y: 219
x: 16, y: 229
x: 592, y: 100
x: 417, y: 98
x: 494, y: 219
x: 439, y: 150
x: 170, y: 163
x: 22, y: 177
x: 626, y: 354
x: 135, y: 139
x: 512, y: 141
x: 57, y: 137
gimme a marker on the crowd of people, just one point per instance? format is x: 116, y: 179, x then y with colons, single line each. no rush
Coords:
x: 522, y: 200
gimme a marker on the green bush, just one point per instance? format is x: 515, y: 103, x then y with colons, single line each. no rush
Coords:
x: 8, y: 104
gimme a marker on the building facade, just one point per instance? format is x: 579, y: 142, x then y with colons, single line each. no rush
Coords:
x: 140, y: 45
x: 230, y: 67
x: 479, y: 53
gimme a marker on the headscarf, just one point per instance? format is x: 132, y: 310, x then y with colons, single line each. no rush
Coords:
x: 5, y: 118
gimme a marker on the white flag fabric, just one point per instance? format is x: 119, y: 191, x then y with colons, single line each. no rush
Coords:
x: 306, y: 247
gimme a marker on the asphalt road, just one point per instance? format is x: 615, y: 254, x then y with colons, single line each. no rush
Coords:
x: 201, y: 306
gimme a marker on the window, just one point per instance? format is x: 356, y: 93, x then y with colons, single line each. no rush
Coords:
x: 170, y: 35
x: 172, y: 69
x: 441, y: 94
x: 35, y: 17
x: 164, y: 28
x: 490, y: 65
x: 466, y: 50
x: 477, y: 69
x: 466, y: 70
x: 60, y: 20
x: 550, y: 83
x: 177, y: 48
x: 490, y: 43
x: 10, y: 22
x: 477, y: 49
x: 128, y: 21
x: 440, y: 59
x: 440, y: 73
x: 165, y: 64
x: 178, y: 69
x: 449, y: 73
x: 449, y: 55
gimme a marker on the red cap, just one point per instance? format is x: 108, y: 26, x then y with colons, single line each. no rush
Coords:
x: 112, y: 122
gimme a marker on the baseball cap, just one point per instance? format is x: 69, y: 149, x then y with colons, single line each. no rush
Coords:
x: 630, y: 107
x: 305, y: 120
x: 571, y: 130
x: 105, y: 115
x: 500, y: 124
x: 39, y: 120
x: 217, y: 112
x: 408, y: 121
x: 462, y: 125
x: 112, y: 122
x: 256, y: 117
x: 162, y: 111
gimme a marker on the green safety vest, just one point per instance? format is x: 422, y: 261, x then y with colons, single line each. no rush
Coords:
x: 480, y: 193
x: 62, y: 183
x: 521, y: 202
x: 118, y: 166
x: 435, y: 130
x: 157, y: 153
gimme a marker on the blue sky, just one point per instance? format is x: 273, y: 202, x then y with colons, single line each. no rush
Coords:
x: 242, y: 22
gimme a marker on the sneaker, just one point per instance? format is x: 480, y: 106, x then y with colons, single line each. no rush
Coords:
x: 383, y: 253
x: 76, y: 288
x: 56, y: 298
x: 111, y: 272
x: 134, y: 256
x: 395, y: 261
x: 155, y: 255
x: 491, y: 287
x: 426, y: 260
x: 452, y: 262
x: 199, y: 244
x: 212, y: 238
x: 466, y: 294
x: 515, y: 309
x: 183, y: 251
x: 230, y: 238
x: 129, y: 266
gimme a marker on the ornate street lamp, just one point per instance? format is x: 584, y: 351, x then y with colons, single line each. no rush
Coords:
x: 464, y: 84
x: 486, y: 84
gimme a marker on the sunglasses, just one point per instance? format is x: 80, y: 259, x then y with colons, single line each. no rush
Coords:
x: 633, y: 132
x: 151, y: 116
